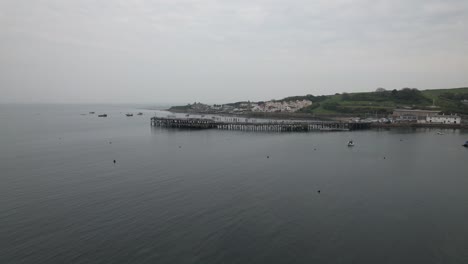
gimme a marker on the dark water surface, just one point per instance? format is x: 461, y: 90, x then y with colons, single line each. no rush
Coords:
x: 398, y: 196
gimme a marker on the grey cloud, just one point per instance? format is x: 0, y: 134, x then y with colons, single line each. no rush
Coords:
x: 179, y: 51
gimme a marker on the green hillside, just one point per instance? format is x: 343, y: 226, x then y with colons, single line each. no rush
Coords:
x: 383, y: 102
x: 379, y: 102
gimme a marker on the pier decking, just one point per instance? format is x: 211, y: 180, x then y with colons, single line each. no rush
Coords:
x: 275, y: 126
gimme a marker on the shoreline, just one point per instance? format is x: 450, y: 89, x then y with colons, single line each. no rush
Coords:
x: 267, y: 115
x: 416, y: 125
x: 306, y: 116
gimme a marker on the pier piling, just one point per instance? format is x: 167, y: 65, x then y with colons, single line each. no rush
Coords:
x: 275, y: 126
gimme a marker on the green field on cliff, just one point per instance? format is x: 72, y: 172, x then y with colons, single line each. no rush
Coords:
x: 384, y: 101
x: 452, y: 100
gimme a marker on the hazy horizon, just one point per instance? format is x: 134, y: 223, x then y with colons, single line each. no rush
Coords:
x: 177, y: 52
x: 169, y: 104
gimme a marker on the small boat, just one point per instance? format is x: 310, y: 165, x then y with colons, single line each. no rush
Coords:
x: 103, y: 115
x: 129, y: 114
x: 140, y: 113
x: 91, y: 113
x: 466, y: 144
x: 350, y: 143
x: 187, y: 115
x: 440, y: 133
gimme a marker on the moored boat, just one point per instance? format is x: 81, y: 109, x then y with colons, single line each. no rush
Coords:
x: 350, y: 143
x: 129, y: 114
x: 140, y: 113
x: 103, y: 115
x: 466, y: 144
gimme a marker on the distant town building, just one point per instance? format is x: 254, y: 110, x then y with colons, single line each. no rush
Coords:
x: 412, y: 115
x: 245, y: 107
x: 443, y: 119
x: 280, y: 106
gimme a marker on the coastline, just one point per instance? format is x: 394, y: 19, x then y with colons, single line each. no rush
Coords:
x: 418, y: 125
x: 343, y: 117
x: 270, y: 115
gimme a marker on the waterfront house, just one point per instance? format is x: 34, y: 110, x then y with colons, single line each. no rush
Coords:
x: 284, y: 106
x: 412, y: 115
x: 443, y: 119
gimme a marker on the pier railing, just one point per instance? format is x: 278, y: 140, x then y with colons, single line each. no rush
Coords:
x: 236, y: 124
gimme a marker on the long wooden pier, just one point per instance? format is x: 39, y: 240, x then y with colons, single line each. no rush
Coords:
x: 275, y: 126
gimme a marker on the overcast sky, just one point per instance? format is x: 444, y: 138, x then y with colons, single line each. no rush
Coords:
x: 180, y: 51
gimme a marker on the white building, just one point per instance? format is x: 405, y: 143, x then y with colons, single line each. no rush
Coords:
x: 277, y: 106
x: 443, y: 119
x: 415, y: 115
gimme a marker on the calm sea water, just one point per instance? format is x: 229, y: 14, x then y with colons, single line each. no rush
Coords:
x: 174, y: 196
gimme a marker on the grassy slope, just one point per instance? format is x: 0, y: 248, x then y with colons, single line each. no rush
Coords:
x: 389, y: 105
x: 374, y: 103
x: 436, y: 92
x: 331, y: 99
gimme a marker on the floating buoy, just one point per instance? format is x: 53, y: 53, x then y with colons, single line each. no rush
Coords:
x: 115, y: 161
x: 268, y: 157
x: 318, y: 191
